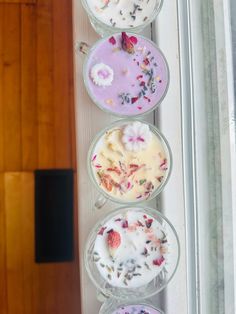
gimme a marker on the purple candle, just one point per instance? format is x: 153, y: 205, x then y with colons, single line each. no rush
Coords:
x: 126, y: 75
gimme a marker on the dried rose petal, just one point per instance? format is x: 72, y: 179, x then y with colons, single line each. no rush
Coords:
x: 163, y: 165
x: 101, y: 231
x: 158, y: 261
x: 134, y: 40
x: 112, y: 40
x: 149, y: 223
x: 146, y: 61
x: 160, y: 178
x: 125, y: 224
x: 134, y: 99
x: 140, y: 224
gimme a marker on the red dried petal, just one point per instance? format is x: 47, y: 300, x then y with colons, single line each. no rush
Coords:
x: 146, y: 61
x: 125, y: 224
x: 142, y: 83
x: 133, y: 166
x: 134, y: 40
x: 134, y: 99
x: 149, y: 223
x: 101, y: 231
x: 158, y: 261
x: 112, y: 40
x: 115, y: 169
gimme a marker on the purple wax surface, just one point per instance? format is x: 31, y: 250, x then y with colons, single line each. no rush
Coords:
x: 136, y: 309
x: 140, y: 79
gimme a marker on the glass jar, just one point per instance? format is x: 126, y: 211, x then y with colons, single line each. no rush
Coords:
x: 104, y: 29
x: 159, y: 280
x: 113, y: 306
x: 128, y: 76
x: 106, y: 195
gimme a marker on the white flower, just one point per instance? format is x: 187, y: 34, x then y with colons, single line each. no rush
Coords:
x: 102, y: 74
x: 136, y: 136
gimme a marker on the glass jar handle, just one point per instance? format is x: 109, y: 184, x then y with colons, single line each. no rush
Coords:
x: 101, y: 297
x: 82, y: 47
x: 100, y: 201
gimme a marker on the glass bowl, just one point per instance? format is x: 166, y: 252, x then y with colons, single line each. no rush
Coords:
x: 142, y: 106
x: 104, y: 29
x: 112, y: 306
x: 104, y: 195
x: 158, y: 283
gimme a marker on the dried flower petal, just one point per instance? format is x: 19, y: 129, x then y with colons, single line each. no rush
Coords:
x: 112, y: 40
x: 125, y: 224
x: 101, y: 231
x: 158, y: 261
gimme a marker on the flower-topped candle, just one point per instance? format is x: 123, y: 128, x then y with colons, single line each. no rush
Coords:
x: 131, y: 254
x: 136, y: 309
x: 126, y: 74
x: 122, y: 14
x: 130, y: 161
x: 130, y: 249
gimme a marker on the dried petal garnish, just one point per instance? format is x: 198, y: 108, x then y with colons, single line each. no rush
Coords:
x: 158, y: 261
x: 163, y: 165
x: 125, y: 224
x: 112, y: 40
x: 134, y: 99
x: 101, y: 231
x: 149, y: 223
x: 128, y: 43
x: 133, y: 39
x: 106, y: 181
x: 113, y: 242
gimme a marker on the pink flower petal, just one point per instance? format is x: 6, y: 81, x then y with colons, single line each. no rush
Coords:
x: 133, y: 39
x: 112, y: 40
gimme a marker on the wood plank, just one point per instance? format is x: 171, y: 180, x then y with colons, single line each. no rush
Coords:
x: 3, y: 273
x: 19, y: 207
x: 18, y: 1
x: 1, y: 92
x: 28, y: 88
x: 46, y: 135
x: 62, y: 58
x: 11, y: 88
x: 27, y: 231
x: 14, y: 243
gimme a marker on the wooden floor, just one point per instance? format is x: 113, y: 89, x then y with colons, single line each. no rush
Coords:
x: 36, y: 132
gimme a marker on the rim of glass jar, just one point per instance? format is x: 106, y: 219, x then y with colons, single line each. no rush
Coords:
x: 110, y: 111
x: 103, y: 309
x: 168, y: 152
x: 106, y: 217
x: 112, y: 29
